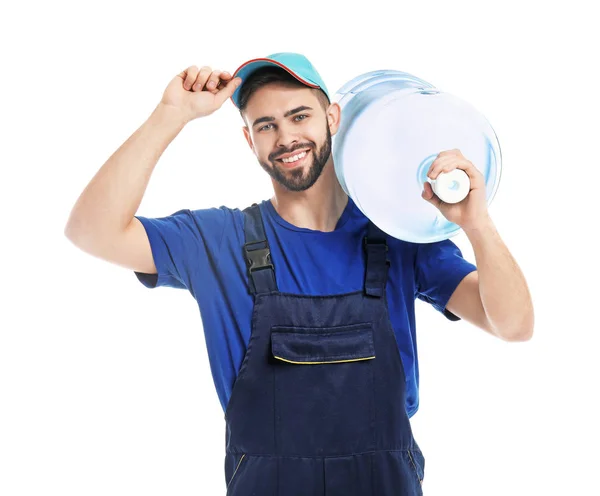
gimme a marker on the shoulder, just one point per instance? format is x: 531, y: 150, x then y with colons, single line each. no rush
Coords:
x: 406, y: 249
x: 221, y: 215
x: 226, y: 220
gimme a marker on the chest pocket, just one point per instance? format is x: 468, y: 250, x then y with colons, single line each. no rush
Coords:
x: 318, y: 345
x: 329, y: 404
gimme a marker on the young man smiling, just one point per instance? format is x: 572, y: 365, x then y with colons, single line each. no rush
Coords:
x: 307, y: 307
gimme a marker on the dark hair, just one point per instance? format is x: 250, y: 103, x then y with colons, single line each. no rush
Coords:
x: 266, y: 75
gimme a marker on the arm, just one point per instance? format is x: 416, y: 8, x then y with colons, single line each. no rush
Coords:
x: 102, y: 221
x: 102, y: 218
x: 495, y: 297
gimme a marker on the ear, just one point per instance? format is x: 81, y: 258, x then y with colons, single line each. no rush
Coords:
x: 334, y: 114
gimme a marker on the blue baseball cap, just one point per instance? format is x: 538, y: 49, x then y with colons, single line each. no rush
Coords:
x: 295, y: 63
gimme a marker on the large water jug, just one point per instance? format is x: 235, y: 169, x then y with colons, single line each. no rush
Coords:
x: 393, y: 126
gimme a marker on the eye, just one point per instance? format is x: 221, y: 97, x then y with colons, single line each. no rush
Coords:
x: 260, y: 129
x: 301, y: 115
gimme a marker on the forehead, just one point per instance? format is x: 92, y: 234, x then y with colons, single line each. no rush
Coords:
x: 274, y: 99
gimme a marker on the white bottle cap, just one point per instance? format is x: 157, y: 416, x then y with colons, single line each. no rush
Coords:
x: 451, y: 187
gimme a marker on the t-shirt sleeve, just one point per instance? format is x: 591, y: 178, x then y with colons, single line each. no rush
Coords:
x: 181, y: 244
x: 439, y: 269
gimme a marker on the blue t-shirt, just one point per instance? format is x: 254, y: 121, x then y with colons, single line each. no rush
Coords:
x: 201, y: 251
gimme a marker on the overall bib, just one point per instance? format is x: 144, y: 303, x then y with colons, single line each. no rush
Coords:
x: 318, y: 406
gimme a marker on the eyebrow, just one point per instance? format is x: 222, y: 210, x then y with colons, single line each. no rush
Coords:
x: 287, y: 114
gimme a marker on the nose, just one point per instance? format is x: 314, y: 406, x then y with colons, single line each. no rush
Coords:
x: 286, y: 138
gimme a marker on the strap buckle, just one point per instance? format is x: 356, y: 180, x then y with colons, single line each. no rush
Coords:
x: 375, y: 242
x: 258, y: 259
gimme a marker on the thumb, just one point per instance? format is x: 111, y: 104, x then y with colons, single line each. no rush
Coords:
x: 228, y: 90
x: 429, y: 196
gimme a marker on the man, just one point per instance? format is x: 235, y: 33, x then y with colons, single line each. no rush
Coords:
x: 308, y: 308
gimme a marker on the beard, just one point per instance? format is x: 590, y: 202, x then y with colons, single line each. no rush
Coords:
x: 297, y: 179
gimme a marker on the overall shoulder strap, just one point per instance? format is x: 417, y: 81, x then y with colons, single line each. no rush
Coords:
x: 257, y: 253
x: 377, y: 262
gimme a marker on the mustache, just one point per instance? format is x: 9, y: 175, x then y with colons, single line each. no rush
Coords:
x: 281, y: 153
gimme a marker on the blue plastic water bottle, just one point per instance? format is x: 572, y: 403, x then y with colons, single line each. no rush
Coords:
x: 393, y: 126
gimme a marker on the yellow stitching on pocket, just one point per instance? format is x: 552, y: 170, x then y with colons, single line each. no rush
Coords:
x: 315, y: 363
x: 414, y: 466
x: 236, y: 469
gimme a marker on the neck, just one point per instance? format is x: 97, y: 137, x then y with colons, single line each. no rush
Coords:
x: 319, y: 208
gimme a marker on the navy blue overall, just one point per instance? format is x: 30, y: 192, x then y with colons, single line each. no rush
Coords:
x: 318, y: 406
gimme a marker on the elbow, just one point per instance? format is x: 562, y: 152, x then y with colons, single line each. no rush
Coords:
x: 520, y: 335
x: 78, y: 229
x: 71, y: 233
x: 71, y: 227
x: 68, y: 233
x: 522, y: 332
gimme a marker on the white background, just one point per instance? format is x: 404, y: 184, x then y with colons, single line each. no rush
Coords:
x: 105, y: 385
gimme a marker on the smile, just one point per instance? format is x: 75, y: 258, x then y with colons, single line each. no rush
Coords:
x: 293, y: 160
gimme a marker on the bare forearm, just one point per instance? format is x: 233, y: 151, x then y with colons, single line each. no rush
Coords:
x: 502, y: 286
x: 111, y: 199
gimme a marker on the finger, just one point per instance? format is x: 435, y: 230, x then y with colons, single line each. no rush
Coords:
x: 213, y: 80
x: 202, y: 77
x: 444, y: 156
x: 228, y: 90
x: 430, y: 196
x: 223, y: 80
x: 437, y: 161
x: 225, y: 77
x: 427, y: 192
x: 188, y: 76
x: 454, y: 151
x: 440, y: 165
x: 457, y: 163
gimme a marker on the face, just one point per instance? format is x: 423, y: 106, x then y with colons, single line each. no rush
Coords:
x: 284, y: 121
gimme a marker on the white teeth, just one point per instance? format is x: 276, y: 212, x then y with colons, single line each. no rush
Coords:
x: 294, y: 158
